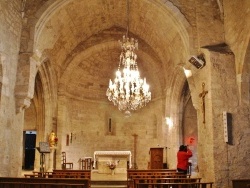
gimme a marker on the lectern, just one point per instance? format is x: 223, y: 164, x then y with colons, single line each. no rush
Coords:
x: 156, y: 158
x: 43, y: 148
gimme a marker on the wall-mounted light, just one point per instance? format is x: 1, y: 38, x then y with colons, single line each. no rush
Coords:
x: 169, y: 121
x: 187, y: 72
x: 199, y: 61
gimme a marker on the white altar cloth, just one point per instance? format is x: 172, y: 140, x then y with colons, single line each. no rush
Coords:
x: 108, y: 153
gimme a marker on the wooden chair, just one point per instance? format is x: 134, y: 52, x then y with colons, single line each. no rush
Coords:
x: 87, y: 163
x: 65, y: 164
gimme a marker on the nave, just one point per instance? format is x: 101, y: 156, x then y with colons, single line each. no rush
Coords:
x: 58, y: 64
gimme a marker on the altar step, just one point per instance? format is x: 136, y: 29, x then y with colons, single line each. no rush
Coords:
x: 108, y: 184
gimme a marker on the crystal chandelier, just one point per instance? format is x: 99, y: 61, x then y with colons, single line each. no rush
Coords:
x: 128, y: 91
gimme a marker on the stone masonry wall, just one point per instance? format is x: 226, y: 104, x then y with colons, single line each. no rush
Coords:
x: 237, y: 27
x: 11, y: 124
x: 223, y: 90
x: 87, y: 123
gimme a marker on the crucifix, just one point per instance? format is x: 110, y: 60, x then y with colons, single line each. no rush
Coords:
x: 202, y: 96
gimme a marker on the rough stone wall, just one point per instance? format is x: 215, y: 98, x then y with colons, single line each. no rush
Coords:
x: 206, y: 20
x: 11, y: 124
x: 237, y: 37
x: 30, y: 118
x: 223, y: 90
x: 237, y: 29
x: 222, y: 158
x: 87, y: 123
x: 205, y: 167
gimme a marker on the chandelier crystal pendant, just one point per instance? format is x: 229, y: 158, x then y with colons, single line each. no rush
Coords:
x: 128, y: 91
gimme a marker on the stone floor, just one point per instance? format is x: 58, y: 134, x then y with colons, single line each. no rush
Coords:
x: 108, y: 180
x: 116, y: 176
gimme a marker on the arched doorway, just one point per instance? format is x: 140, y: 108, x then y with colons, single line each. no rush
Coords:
x: 189, y: 129
x: 33, y: 120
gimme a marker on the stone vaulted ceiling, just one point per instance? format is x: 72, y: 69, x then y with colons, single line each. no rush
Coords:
x: 80, y: 37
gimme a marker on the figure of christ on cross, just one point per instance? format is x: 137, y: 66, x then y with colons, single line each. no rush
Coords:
x: 202, y: 96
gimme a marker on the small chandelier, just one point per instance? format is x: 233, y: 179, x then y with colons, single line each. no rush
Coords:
x: 128, y: 91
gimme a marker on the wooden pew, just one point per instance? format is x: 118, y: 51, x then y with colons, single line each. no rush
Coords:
x: 152, y: 173
x: 39, y: 185
x: 175, y: 185
x: 164, y: 180
x: 158, y: 172
x: 241, y: 183
x: 155, y: 172
x: 38, y: 174
x: 171, y: 175
x: 71, y: 174
x: 13, y: 182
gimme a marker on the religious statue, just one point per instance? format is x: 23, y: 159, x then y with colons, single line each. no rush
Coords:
x: 52, y: 139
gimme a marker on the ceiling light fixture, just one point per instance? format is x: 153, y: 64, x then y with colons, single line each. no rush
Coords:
x: 128, y: 91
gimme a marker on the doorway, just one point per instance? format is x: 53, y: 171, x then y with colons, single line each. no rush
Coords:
x: 29, y: 149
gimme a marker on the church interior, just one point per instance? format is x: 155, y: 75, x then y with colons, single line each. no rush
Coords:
x: 61, y: 88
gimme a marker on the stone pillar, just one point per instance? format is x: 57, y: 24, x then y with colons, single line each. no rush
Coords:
x: 51, y: 158
x: 220, y: 78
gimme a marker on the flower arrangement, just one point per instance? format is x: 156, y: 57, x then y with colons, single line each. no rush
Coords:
x: 112, y: 164
x: 56, y: 139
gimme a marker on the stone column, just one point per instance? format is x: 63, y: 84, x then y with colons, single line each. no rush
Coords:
x: 51, y: 158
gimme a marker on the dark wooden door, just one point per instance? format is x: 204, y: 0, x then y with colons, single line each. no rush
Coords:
x: 156, y: 158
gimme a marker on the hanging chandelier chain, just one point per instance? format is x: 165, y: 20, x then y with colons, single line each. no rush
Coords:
x: 127, y: 18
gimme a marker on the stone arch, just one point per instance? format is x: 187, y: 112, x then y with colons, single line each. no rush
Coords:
x: 178, y: 101
x: 245, y: 79
x: 28, y: 57
x: 39, y: 112
x: 4, y: 78
x: 24, y: 89
x: 43, y: 12
x: 179, y: 20
x: 189, y: 124
x: 174, y: 112
x: 1, y: 77
x: 183, y: 26
x: 44, y: 101
x: 48, y: 80
x: 74, y: 59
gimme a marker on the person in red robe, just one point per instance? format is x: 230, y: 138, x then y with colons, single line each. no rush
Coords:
x: 183, y: 156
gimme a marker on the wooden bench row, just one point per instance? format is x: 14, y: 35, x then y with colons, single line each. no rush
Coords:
x: 16, y: 182
x: 150, y: 171
x: 175, y: 185
x: 61, y: 174
x: 71, y: 174
x: 38, y: 185
x: 241, y: 183
x: 38, y: 175
x: 137, y: 181
x: 152, y: 174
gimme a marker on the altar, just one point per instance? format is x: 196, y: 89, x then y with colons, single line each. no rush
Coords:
x: 122, y: 160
